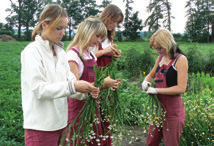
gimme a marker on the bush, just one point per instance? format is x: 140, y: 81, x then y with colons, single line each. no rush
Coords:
x: 199, y: 63
x: 135, y: 63
x: 132, y: 96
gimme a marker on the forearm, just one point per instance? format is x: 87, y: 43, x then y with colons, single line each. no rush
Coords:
x: 174, y: 90
x: 99, y: 53
x: 149, y: 78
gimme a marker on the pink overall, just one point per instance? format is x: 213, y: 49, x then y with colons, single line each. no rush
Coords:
x: 75, y: 105
x: 42, y: 138
x: 175, y: 113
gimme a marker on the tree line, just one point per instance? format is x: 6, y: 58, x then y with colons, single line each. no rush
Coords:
x: 24, y: 15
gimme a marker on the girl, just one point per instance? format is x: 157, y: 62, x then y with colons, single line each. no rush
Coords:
x: 170, y: 73
x: 46, y: 80
x: 81, y: 60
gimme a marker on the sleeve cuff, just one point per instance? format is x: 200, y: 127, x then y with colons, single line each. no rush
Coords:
x: 71, y: 87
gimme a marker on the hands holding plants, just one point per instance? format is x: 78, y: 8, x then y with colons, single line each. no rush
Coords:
x: 112, y: 84
x: 145, y: 85
x: 151, y: 90
x: 113, y: 50
x: 86, y: 87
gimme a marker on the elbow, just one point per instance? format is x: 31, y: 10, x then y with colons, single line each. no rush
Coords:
x: 182, y: 90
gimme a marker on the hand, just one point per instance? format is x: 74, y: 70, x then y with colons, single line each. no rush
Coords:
x: 151, y: 90
x: 112, y: 84
x: 112, y: 50
x: 95, y: 93
x: 117, y: 56
x: 86, y: 87
x: 145, y: 85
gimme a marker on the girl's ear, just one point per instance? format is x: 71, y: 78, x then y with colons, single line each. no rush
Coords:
x: 44, y: 25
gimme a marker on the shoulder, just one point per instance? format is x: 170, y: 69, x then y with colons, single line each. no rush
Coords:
x: 71, y: 54
x: 182, y: 62
x: 31, y: 49
x: 182, y: 58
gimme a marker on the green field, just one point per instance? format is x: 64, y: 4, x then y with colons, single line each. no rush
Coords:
x: 198, y: 99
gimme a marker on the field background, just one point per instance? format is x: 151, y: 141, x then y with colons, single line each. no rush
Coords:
x: 199, y: 97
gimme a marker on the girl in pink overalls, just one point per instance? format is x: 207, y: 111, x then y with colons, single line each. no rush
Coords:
x: 170, y: 73
x: 81, y: 61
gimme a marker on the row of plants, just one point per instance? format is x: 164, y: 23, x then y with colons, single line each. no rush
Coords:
x: 11, y: 116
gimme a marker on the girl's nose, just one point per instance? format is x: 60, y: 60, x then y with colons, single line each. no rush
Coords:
x: 99, y: 39
x: 63, y: 32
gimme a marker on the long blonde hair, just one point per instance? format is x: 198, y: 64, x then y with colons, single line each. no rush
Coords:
x: 52, y: 14
x: 111, y: 12
x: 165, y: 39
x: 86, y: 29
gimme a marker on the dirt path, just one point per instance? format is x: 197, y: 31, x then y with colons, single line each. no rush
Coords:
x: 141, y: 138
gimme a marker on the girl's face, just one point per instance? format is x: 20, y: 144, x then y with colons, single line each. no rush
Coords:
x: 111, y: 24
x: 95, y: 39
x: 55, y: 35
x: 160, y: 50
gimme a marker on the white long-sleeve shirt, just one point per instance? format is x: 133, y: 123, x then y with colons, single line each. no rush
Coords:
x: 45, y: 87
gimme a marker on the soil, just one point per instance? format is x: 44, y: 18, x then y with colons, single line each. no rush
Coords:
x: 139, y: 135
x: 6, y: 38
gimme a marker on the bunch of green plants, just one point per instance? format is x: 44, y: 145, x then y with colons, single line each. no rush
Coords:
x: 113, y: 109
x: 87, y: 116
x: 154, y: 113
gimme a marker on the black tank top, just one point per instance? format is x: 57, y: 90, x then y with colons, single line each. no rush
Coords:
x: 171, y: 74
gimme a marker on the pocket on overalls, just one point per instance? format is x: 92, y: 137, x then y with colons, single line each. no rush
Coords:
x: 160, y: 81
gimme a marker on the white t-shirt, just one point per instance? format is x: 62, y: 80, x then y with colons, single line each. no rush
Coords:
x: 106, y: 43
x: 73, y: 56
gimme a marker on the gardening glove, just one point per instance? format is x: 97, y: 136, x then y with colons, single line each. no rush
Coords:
x: 145, y: 85
x: 151, y: 90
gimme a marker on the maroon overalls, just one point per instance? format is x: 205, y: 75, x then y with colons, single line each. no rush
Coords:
x: 175, y: 113
x: 75, y: 105
x: 104, y: 61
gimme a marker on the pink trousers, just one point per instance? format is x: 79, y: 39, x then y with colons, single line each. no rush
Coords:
x: 42, y: 138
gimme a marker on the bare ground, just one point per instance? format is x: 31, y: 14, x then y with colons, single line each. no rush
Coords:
x: 138, y: 140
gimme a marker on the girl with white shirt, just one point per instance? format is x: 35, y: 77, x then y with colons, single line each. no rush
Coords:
x: 46, y: 80
x: 111, y: 16
x: 81, y: 60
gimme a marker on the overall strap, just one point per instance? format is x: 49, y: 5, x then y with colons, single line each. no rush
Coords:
x: 159, y: 59
x: 177, y: 58
x: 73, y: 49
x: 172, y: 61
